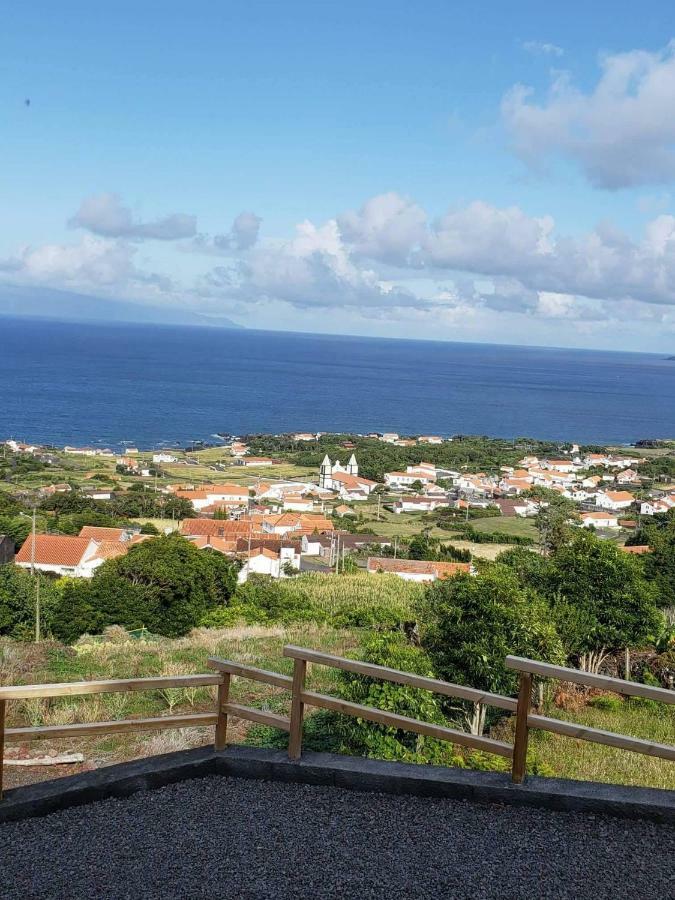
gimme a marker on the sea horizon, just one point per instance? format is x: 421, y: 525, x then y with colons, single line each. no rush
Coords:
x: 157, y: 385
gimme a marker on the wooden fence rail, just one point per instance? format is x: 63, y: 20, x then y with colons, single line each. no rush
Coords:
x: 88, y: 729
x: 301, y: 697
x: 525, y: 719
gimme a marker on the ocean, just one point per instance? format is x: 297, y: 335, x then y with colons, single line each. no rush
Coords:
x: 153, y: 385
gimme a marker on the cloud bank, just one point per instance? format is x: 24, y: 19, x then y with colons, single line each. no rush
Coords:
x: 621, y: 133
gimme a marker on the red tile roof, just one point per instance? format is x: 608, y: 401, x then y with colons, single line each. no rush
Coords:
x: 101, y: 533
x: 53, y: 549
x: 417, y: 567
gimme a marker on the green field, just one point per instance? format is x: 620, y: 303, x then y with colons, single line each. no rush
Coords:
x: 512, y: 525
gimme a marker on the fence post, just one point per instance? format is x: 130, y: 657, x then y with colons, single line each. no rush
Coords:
x: 221, y: 723
x: 297, y: 709
x: 3, y: 706
x: 520, y: 744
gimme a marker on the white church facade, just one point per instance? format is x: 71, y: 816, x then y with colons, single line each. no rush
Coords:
x: 345, y: 480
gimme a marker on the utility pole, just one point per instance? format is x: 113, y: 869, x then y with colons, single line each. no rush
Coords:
x: 379, y: 497
x: 36, y: 580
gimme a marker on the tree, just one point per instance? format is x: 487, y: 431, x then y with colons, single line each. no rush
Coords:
x: 659, y: 564
x: 18, y: 601
x: 600, y: 598
x: 470, y: 624
x: 554, y: 518
x: 165, y: 584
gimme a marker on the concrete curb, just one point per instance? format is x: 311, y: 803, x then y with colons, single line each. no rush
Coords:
x: 348, y: 772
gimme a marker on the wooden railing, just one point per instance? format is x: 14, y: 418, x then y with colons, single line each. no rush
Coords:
x: 88, y: 729
x: 525, y: 719
x: 301, y: 697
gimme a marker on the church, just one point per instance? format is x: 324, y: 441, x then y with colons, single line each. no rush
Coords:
x: 328, y: 470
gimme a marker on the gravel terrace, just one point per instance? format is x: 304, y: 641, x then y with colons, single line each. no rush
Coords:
x: 229, y: 838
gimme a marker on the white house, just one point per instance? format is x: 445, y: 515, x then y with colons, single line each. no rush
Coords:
x: 430, y: 439
x: 406, y: 479
x: 599, y: 520
x: 164, y: 458
x: 614, y: 500
x: 263, y: 561
x: 419, y: 504
x: 654, y: 506
x: 59, y: 554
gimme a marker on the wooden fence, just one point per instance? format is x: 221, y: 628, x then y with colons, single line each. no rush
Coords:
x: 526, y: 719
x: 301, y: 697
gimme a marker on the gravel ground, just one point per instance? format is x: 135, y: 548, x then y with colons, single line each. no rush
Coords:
x: 229, y: 838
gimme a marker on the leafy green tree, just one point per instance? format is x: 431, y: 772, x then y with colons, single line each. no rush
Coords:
x: 470, y: 624
x: 531, y: 568
x: 600, y: 598
x: 363, y: 738
x: 659, y: 564
x: 165, y: 584
x: 18, y: 602
x: 554, y: 519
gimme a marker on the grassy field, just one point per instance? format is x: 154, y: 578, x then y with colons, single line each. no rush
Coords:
x: 582, y: 760
x: 513, y: 525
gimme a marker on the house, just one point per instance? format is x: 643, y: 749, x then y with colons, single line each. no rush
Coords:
x: 423, y: 468
x: 102, y: 533
x: 614, y: 500
x: 164, y: 458
x: 98, y: 493
x: 298, y: 503
x: 407, y: 479
x: 289, y: 522
x: 628, y: 476
x: 343, y: 510
x: 353, y: 487
x: 637, y: 549
x: 327, y: 545
x: 6, y: 549
x: 58, y: 554
x: 599, y: 520
x: 419, y: 504
x: 654, y: 506
x: 559, y: 465
x: 416, y: 569
x: 592, y: 481
x: 390, y: 437
x: 429, y: 439
x: 209, y: 494
x: 304, y: 436
x: 273, y: 563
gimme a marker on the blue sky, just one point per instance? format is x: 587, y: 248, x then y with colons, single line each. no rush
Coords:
x: 468, y: 171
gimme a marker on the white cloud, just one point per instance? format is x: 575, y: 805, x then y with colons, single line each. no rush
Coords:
x: 242, y: 236
x: 96, y: 264
x: 315, y: 268
x: 104, y: 215
x: 390, y: 261
x: 621, y: 133
x: 542, y: 48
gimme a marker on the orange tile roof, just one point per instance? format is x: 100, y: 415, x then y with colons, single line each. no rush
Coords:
x: 101, y: 533
x: 619, y: 496
x: 417, y: 567
x: 637, y: 548
x: 217, y: 527
x: 53, y: 549
x: 111, y: 549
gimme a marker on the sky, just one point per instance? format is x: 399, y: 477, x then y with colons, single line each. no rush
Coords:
x: 472, y: 171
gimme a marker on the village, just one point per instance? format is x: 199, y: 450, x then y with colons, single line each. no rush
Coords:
x: 277, y: 519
